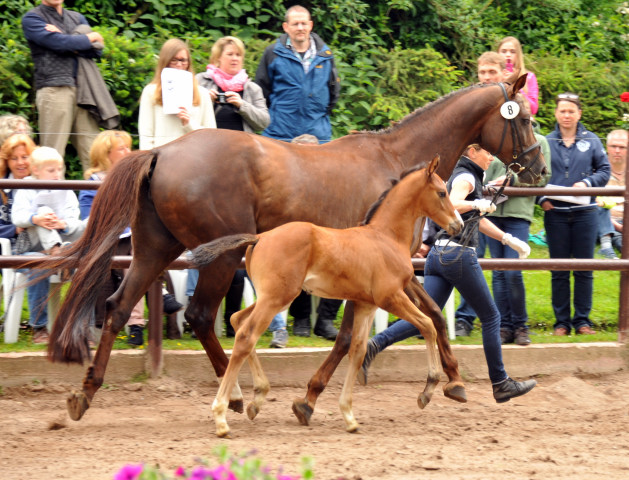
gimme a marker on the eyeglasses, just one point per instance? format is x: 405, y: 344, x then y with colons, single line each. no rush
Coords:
x: 568, y: 96
x: 183, y: 61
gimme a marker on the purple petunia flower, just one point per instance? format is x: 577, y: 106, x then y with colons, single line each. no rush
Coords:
x: 129, y: 472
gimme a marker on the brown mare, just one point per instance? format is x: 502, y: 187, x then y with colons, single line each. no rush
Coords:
x: 213, y: 183
x: 368, y: 265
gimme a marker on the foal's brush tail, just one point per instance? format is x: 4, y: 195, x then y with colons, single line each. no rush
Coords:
x: 112, y: 211
x: 208, y: 252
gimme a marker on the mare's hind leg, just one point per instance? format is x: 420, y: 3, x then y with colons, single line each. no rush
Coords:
x: 363, y: 313
x: 303, y: 408
x: 399, y: 304
x: 214, y: 281
x: 144, y: 269
x: 455, y: 388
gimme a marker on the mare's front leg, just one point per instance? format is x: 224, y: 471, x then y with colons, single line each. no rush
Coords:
x: 136, y: 282
x: 214, y: 281
x: 363, y: 313
x: 400, y: 305
x: 455, y: 388
x: 303, y: 408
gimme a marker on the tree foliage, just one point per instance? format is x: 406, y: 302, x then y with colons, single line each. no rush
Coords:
x: 393, y: 55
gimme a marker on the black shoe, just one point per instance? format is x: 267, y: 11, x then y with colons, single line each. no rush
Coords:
x: 521, y: 336
x: 506, y: 336
x: 301, y: 327
x: 325, y: 328
x: 136, y: 335
x: 171, y: 305
x: 462, y: 328
x: 505, y: 391
x: 370, y: 354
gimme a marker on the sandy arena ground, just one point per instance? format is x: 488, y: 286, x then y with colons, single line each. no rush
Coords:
x: 569, y: 427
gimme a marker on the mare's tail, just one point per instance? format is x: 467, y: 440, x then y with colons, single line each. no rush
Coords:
x: 208, y: 252
x: 113, y: 209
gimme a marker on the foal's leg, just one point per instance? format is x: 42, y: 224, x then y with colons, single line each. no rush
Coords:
x: 251, y: 322
x: 145, y: 268
x: 455, y: 388
x: 363, y: 313
x: 400, y: 305
x: 303, y: 408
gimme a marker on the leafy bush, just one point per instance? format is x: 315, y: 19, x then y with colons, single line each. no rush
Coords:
x: 393, y: 55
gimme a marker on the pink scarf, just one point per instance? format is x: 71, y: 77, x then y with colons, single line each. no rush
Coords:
x: 227, y: 82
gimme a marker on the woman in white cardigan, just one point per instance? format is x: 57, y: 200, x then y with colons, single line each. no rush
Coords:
x: 158, y: 128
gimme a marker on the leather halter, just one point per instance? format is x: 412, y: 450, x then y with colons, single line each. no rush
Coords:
x: 516, y: 141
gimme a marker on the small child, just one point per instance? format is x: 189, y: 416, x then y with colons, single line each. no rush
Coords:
x: 51, y: 217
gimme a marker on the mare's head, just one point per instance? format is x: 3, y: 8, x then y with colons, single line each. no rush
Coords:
x: 435, y: 201
x: 508, y: 134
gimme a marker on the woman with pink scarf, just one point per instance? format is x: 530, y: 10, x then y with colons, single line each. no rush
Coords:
x: 239, y: 103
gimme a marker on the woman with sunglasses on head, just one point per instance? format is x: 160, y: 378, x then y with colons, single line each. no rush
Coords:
x: 157, y: 128
x: 578, y: 160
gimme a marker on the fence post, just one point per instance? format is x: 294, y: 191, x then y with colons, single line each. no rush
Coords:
x: 155, y: 327
x: 623, y: 308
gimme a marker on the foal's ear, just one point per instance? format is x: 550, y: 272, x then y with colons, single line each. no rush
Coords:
x: 433, y: 165
x: 517, y: 86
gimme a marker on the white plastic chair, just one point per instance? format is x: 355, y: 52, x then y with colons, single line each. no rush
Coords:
x: 13, y: 288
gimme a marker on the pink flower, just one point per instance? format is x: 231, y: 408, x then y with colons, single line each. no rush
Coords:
x: 129, y: 472
x: 624, y: 97
x: 180, y: 472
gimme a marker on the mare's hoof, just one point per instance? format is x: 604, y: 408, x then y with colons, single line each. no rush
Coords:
x: 252, y: 411
x: 77, y: 404
x: 302, y: 411
x: 457, y: 392
x: 423, y: 400
x: 236, y: 405
x: 223, y: 434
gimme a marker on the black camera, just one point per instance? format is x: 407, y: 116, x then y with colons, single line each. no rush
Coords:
x: 220, y: 98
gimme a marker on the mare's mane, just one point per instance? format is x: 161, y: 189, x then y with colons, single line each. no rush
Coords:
x: 394, y: 181
x: 426, y: 108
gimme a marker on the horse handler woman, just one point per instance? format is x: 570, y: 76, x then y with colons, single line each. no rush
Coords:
x: 453, y: 263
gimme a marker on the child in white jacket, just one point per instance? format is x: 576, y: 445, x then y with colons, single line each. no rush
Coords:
x: 51, y: 217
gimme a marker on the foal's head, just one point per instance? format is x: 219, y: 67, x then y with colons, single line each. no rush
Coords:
x: 435, y: 202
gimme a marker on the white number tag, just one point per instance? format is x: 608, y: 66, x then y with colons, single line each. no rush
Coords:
x: 509, y: 110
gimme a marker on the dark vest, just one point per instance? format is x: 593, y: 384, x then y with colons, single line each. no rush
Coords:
x: 55, y: 69
x: 465, y: 165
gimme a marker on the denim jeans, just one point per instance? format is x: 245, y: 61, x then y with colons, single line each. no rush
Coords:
x: 508, y: 286
x: 464, y: 312
x: 605, y: 225
x: 37, y: 296
x: 443, y: 272
x: 571, y: 235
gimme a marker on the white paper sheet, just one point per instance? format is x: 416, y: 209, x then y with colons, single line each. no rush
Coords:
x: 580, y: 200
x: 176, y: 90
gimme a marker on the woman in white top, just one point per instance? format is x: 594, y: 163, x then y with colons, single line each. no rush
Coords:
x: 158, y: 128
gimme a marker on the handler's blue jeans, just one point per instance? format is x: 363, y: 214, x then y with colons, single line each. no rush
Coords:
x: 508, y: 286
x: 37, y: 296
x: 443, y: 272
x: 572, y: 234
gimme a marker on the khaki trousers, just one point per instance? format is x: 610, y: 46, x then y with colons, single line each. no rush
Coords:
x: 60, y: 119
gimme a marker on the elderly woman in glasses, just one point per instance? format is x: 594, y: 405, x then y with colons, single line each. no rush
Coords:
x: 157, y: 127
x: 578, y: 160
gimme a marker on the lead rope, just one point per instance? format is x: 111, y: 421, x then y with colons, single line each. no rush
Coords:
x: 468, y: 229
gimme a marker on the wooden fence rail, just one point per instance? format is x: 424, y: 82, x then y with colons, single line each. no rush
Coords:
x: 155, y: 302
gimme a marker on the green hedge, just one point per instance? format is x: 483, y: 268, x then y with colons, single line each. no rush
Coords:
x: 393, y: 55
